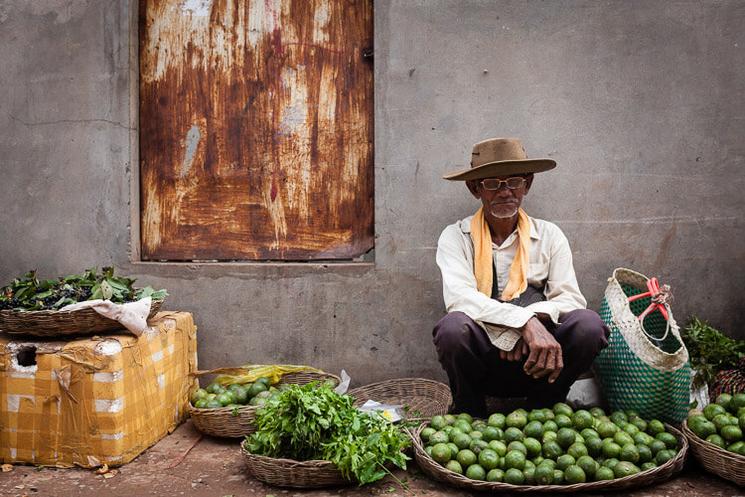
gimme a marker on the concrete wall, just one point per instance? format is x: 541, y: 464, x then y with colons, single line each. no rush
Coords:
x: 640, y: 102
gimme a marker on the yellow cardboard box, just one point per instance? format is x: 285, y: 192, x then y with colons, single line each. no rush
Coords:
x: 95, y: 400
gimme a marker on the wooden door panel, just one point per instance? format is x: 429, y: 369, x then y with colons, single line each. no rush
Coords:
x: 256, y: 129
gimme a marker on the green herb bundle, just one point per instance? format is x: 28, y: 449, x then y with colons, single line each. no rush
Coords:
x: 30, y: 293
x: 312, y: 422
x: 710, y: 350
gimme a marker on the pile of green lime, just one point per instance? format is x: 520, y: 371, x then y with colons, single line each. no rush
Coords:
x: 549, y: 446
x: 722, y: 423
x: 247, y: 394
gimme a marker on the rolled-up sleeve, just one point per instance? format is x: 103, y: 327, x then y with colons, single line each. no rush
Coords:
x: 459, y: 285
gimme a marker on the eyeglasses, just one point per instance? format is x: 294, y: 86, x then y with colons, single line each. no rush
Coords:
x: 495, y: 184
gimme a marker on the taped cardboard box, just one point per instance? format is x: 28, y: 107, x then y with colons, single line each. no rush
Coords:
x: 95, y: 400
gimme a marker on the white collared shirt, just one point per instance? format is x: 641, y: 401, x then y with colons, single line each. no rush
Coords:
x: 550, y: 268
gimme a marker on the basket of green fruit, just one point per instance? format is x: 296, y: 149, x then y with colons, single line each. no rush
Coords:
x: 549, y: 450
x: 33, y: 306
x: 716, y: 436
x: 229, y: 410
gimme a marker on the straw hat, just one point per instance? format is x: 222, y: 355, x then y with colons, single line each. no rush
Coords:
x: 500, y: 157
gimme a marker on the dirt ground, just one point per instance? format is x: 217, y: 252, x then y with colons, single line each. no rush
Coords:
x: 186, y: 463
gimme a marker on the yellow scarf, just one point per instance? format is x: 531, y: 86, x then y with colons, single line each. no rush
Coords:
x: 483, y: 261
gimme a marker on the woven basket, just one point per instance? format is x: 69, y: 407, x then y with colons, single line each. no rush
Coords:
x: 645, y: 365
x: 656, y: 475
x: 424, y: 398
x: 60, y: 323
x: 730, y: 381
x: 233, y: 423
x: 724, y: 463
x: 291, y: 473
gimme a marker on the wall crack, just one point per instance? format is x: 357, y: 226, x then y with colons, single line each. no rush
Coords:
x: 70, y: 121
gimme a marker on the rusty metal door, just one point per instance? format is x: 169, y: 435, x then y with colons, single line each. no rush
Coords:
x: 256, y: 129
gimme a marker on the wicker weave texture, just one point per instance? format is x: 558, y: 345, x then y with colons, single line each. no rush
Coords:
x: 656, y: 475
x: 229, y: 423
x: 424, y: 398
x: 635, y: 373
x: 730, y: 381
x: 669, y: 355
x: 723, y: 463
x: 60, y: 323
x: 290, y: 473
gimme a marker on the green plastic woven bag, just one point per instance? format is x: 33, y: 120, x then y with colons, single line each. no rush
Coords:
x: 647, y: 371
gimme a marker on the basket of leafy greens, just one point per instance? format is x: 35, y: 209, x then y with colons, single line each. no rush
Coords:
x: 710, y: 350
x: 30, y: 305
x: 309, y: 436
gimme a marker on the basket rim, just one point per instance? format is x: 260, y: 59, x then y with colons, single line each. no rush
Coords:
x: 400, y: 380
x: 708, y: 446
x: 617, y: 483
x: 618, y: 280
x: 397, y: 381
x: 283, y: 460
x: 221, y: 410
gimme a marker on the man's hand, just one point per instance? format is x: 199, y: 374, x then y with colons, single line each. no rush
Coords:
x: 544, y: 357
x: 519, y: 351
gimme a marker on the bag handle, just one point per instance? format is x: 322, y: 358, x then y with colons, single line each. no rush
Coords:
x: 661, y: 298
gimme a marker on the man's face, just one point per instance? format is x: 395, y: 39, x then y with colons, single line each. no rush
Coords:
x: 501, y: 196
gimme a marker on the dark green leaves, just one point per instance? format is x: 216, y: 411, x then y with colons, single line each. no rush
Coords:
x: 710, y: 350
x: 314, y: 422
x: 148, y: 291
x: 30, y: 293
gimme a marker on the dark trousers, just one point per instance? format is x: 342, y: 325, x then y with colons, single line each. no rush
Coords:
x: 475, y: 369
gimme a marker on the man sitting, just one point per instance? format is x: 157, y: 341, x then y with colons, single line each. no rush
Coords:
x: 516, y: 324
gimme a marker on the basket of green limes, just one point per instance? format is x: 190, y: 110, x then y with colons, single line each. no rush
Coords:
x: 549, y: 450
x: 230, y: 410
x: 716, y: 436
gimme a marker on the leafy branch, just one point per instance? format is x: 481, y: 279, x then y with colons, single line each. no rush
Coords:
x: 31, y: 293
x: 710, y: 350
